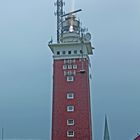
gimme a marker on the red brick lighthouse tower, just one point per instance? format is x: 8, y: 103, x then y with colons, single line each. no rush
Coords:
x: 71, y: 112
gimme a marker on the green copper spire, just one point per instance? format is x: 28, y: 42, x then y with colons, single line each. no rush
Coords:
x: 106, y: 131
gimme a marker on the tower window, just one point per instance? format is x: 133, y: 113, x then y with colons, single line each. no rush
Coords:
x: 70, y: 108
x: 69, y: 66
x: 69, y: 52
x: 70, y: 133
x: 70, y: 122
x: 65, y: 73
x: 81, y: 51
x: 69, y: 73
x: 70, y: 60
x: 58, y: 52
x: 75, y: 66
x: 70, y: 95
x: 64, y: 67
x: 75, y: 51
x: 70, y: 78
x: 63, y: 52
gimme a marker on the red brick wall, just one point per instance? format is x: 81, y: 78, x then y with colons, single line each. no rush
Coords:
x: 81, y: 101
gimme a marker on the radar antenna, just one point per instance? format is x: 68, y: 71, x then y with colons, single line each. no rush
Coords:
x: 70, y: 13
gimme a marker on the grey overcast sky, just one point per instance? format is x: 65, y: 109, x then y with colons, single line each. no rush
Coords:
x: 26, y: 26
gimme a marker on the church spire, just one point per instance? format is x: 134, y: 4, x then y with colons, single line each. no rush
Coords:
x: 106, y: 131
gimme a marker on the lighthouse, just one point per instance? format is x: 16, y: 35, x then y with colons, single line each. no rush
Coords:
x: 71, y: 108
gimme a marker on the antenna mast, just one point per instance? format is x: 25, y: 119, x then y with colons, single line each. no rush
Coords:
x: 59, y: 14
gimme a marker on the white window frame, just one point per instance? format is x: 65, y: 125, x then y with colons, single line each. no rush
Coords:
x: 69, y: 67
x: 70, y: 135
x: 74, y: 66
x: 69, y: 73
x: 70, y: 78
x: 70, y: 95
x: 70, y: 122
x: 65, y: 73
x: 64, y: 67
x: 70, y: 108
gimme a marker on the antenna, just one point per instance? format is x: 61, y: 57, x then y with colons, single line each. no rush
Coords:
x: 70, y: 13
x: 59, y: 14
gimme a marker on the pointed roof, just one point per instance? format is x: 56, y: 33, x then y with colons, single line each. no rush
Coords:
x: 106, y: 130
